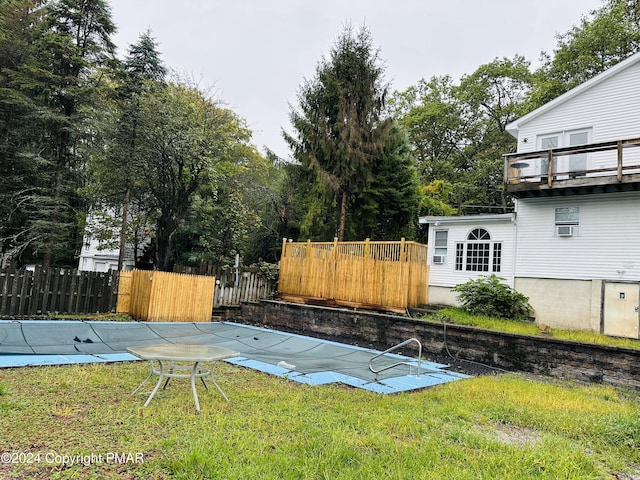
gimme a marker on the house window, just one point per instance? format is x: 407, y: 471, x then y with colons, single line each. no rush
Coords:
x: 497, y: 257
x: 479, y: 253
x: 440, y: 238
x: 578, y: 161
x: 567, y: 221
x: 459, y: 255
x: 547, y: 143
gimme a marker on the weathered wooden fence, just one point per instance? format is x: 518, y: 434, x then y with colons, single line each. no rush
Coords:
x: 381, y: 275
x: 235, y: 285
x: 166, y: 297
x: 241, y: 285
x: 59, y: 290
x: 56, y: 290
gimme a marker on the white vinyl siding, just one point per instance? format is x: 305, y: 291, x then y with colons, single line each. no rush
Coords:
x: 453, y: 273
x: 607, y: 247
x: 610, y: 110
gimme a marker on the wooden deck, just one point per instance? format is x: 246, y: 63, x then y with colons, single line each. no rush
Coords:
x: 606, y: 167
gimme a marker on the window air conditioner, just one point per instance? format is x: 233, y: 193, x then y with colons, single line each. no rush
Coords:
x: 564, y: 230
x: 438, y: 259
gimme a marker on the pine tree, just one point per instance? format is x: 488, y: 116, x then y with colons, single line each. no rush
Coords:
x: 388, y: 208
x: 116, y: 171
x: 58, y: 83
x: 20, y: 22
x: 338, y: 127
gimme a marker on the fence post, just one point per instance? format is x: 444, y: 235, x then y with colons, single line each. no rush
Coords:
x: 24, y: 290
x: 4, y: 276
x: 14, y: 295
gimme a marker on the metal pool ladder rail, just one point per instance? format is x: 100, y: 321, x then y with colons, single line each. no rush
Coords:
x: 400, y: 345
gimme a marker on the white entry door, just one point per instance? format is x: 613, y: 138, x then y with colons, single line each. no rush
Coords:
x: 621, y: 302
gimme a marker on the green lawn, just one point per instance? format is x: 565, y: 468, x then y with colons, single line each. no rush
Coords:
x: 458, y: 316
x: 493, y: 427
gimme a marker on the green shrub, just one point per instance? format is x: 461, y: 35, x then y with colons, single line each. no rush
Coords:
x: 489, y: 296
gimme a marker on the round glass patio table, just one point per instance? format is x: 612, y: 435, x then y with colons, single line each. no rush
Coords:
x: 181, y: 360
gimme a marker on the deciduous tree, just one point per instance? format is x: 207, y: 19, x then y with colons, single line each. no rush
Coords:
x: 597, y: 42
x: 183, y: 136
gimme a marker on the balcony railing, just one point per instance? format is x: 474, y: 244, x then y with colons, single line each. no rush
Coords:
x: 605, y: 163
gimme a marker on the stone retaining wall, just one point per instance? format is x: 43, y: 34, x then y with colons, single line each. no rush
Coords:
x: 538, y: 355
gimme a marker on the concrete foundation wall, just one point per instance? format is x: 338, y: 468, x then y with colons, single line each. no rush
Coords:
x: 442, y: 296
x: 570, y: 304
x: 539, y: 355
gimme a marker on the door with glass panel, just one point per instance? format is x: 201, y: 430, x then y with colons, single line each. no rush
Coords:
x: 566, y: 166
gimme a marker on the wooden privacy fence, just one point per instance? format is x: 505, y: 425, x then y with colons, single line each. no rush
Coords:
x: 156, y: 296
x: 381, y: 275
x: 235, y: 285
x: 241, y: 285
x: 56, y: 290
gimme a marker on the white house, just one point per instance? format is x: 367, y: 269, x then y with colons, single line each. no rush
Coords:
x: 574, y: 239
x: 465, y: 247
x: 95, y: 256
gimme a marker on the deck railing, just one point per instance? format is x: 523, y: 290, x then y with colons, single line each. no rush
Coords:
x: 546, y: 167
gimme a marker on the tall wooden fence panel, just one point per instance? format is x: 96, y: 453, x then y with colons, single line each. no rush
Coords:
x: 387, y: 275
x: 124, y: 292
x: 171, y: 297
x: 56, y: 290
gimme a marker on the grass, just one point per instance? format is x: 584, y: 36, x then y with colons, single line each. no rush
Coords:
x: 458, y: 316
x: 107, y: 317
x: 492, y: 427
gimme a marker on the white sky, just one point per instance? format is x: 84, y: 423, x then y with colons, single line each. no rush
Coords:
x: 254, y: 54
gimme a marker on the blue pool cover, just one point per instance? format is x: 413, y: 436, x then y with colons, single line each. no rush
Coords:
x: 300, y: 358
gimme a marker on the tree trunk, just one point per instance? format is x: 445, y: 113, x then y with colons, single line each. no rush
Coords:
x: 343, y: 215
x: 53, y: 220
x: 123, y: 230
x: 164, y: 231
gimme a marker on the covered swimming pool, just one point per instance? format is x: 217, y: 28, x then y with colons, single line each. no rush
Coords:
x: 299, y: 358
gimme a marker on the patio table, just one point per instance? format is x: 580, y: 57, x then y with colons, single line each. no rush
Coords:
x: 168, y: 361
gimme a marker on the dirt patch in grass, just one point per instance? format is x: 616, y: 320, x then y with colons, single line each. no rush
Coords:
x: 514, y: 435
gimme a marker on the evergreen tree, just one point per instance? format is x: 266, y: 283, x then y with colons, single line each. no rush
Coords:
x: 338, y: 127
x: 116, y: 169
x: 388, y: 208
x: 20, y: 22
x: 59, y: 84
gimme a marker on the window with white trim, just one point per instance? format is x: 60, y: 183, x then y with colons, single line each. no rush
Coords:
x: 567, y: 221
x: 440, y: 238
x: 479, y: 253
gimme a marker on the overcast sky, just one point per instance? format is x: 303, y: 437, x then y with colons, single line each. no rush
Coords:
x: 254, y: 54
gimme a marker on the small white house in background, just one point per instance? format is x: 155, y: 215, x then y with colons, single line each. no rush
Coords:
x: 573, y: 244
x: 96, y: 257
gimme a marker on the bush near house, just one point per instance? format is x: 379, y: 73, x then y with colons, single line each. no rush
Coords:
x: 489, y: 295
